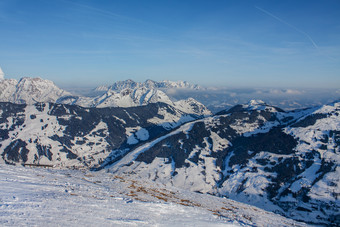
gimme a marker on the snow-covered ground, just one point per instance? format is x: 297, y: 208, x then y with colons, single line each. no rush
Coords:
x: 50, y: 197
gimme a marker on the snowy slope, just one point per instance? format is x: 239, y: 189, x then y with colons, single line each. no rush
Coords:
x: 192, y: 106
x: 40, y: 197
x: 286, y: 162
x: 69, y: 135
x: 7, y: 90
x: 30, y: 91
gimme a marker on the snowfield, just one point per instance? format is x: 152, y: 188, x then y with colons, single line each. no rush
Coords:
x: 50, y: 197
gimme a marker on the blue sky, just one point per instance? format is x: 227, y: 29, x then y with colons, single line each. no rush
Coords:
x: 216, y: 43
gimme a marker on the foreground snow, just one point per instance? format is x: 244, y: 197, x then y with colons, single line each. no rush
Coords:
x: 40, y: 197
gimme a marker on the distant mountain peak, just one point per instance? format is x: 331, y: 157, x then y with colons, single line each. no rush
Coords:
x: 255, y: 102
x: 150, y: 84
x: 2, y: 75
x: 30, y: 90
x: 259, y: 105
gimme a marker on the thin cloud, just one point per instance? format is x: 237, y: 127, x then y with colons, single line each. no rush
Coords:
x: 113, y: 15
x: 289, y: 25
x: 97, y: 10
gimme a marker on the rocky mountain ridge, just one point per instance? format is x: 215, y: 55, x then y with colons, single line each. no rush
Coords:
x: 122, y: 94
x: 30, y: 91
x: 149, y: 84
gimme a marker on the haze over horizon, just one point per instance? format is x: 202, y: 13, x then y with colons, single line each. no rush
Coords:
x: 224, y: 43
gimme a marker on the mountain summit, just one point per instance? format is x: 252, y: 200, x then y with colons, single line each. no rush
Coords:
x: 2, y: 75
x: 30, y: 90
x: 121, y: 94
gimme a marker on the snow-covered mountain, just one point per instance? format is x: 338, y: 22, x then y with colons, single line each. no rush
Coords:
x: 30, y: 90
x: 128, y: 94
x: 286, y: 162
x: 136, y: 97
x: 69, y: 135
x: 149, y: 84
x: 124, y: 98
x: 2, y: 75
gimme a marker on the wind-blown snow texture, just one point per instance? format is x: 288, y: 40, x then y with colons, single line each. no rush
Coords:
x: 40, y: 197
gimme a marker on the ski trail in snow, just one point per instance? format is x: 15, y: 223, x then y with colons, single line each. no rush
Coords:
x: 134, y: 154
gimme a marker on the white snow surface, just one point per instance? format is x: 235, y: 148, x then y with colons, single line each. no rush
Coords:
x: 136, y: 134
x: 50, y: 197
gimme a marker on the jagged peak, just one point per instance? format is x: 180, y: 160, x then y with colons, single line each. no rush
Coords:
x: 34, y: 79
x: 31, y: 90
x: 164, y: 84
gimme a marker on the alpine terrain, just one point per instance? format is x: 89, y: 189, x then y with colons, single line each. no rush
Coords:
x: 286, y: 162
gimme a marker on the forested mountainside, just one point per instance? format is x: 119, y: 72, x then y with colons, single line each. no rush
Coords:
x: 286, y: 162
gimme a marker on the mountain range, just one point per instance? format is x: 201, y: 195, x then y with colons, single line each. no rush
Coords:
x: 121, y: 94
x: 149, y: 84
x: 286, y: 162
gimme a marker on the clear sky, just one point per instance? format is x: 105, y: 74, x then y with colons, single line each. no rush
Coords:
x: 225, y: 43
